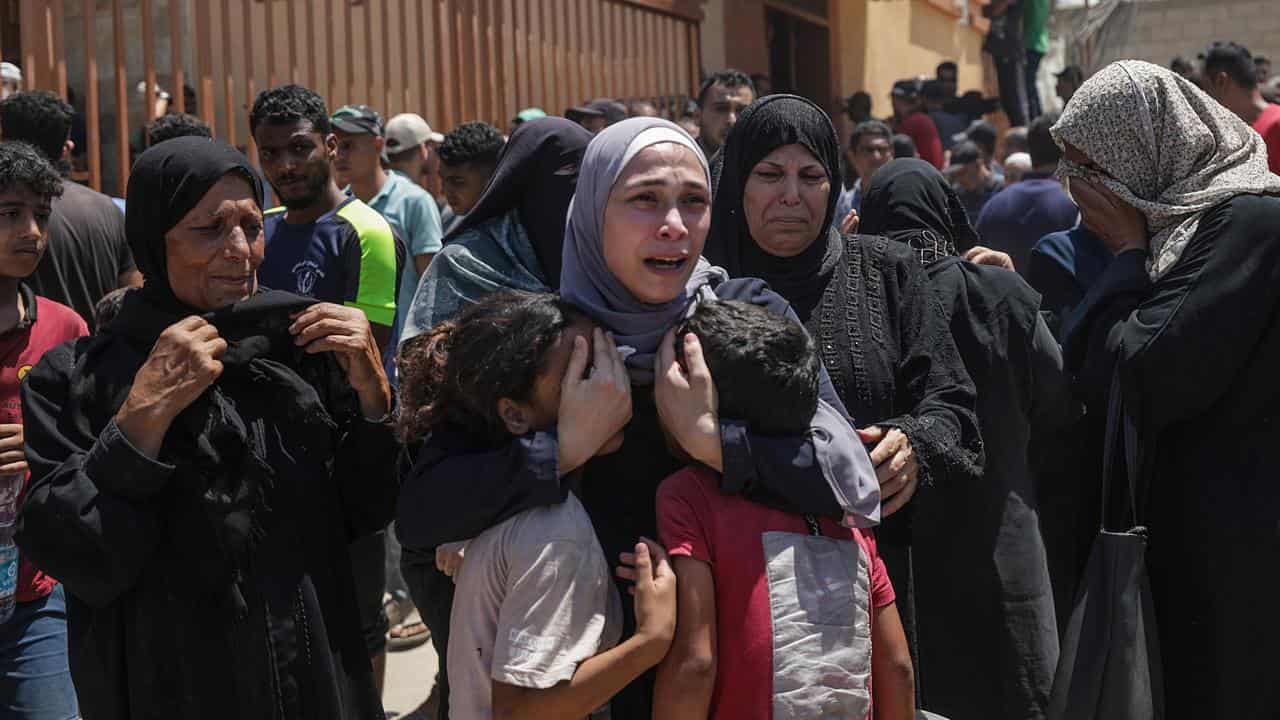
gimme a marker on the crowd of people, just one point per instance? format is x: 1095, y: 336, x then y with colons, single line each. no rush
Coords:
x: 699, y: 416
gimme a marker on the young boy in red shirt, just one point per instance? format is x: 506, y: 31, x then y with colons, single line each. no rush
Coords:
x: 778, y: 615
x: 35, y: 677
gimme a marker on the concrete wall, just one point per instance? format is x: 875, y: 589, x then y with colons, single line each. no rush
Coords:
x: 1160, y: 29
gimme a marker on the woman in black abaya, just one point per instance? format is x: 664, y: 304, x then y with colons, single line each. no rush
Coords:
x: 984, y: 605
x: 865, y: 299
x: 199, y: 469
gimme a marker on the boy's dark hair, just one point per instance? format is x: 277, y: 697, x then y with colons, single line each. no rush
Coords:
x: 1044, y: 151
x: 176, y: 125
x: 289, y: 103
x: 107, y: 308
x: 904, y: 146
x: 1233, y: 59
x: 729, y: 78
x: 965, y: 152
x: 765, y: 366
x: 869, y: 128
x: 38, y: 117
x: 24, y: 167
x: 455, y: 373
x: 470, y: 142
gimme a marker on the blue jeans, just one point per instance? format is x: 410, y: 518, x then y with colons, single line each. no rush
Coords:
x: 35, y: 676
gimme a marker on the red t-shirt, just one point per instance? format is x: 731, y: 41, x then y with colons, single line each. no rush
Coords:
x: 1268, y: 126
x: 47, y: 325
x: 726, y: 531
x: 920, y: 128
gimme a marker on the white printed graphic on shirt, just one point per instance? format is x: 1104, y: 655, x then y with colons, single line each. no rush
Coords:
x: 819, y: 600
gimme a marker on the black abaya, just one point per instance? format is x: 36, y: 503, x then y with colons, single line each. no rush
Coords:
x: 987, y: 635
x: 1198, y: 351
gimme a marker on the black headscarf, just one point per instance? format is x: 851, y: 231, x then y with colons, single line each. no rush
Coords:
x: 910, y: 201
x: 219, y: 498
x: 767, y: 124
x: 532, y: 178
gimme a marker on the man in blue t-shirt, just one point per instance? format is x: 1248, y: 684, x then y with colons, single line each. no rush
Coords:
x: 320, y: 243
x: 331, y: 247
x: 1016, y: 218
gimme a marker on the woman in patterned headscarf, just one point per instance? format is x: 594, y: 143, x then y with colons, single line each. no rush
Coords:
x: 1178, y: 188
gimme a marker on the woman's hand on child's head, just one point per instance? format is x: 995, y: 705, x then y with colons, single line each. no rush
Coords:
x: 655, y: 593
x: 594, y: 406
x: 687, y: 401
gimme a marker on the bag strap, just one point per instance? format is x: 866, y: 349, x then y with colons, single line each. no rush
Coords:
x: 1120, y: 429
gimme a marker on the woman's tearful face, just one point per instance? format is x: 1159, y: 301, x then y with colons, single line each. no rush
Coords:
x: 213, y: 253
x: 785, y: 200
x: 656, y: 222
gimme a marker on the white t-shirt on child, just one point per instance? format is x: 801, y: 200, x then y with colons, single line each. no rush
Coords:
x: 534, y: 598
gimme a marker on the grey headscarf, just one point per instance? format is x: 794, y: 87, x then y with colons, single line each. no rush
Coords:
x: 585, y: 279
x: 1171, y: 150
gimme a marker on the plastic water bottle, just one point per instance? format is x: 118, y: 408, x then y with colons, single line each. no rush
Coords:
x: 10, y: 487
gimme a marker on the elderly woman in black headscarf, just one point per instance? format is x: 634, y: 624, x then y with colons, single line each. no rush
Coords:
x: 988, y: 642
x: 865, y: 299
x: 200, y: 467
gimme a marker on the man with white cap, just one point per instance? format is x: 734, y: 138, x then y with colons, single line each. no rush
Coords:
x: 10, y: 79
x: 410, y: 148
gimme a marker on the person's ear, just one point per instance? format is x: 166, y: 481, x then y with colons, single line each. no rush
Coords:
x: 379, y: 142
x: 515, y: 416
x: 331, y: 146
x: 67, y: 148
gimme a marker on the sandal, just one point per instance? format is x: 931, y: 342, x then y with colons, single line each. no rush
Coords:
x: 406, y: 635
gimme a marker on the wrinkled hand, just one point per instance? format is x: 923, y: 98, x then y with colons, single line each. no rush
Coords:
x: 896, y: 467
x: 345, y: 332
x: 13, y: 458
x: 986, y: 256
x: 183, y: 363
x: 449, y: 557
x: 655, y: 593
x: 595, y: 406
x: 687, y: 401
x: 849, y: 223
x: 1118, y: 223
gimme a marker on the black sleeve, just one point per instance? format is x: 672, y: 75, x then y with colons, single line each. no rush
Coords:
x: 458, y: 488
x: 365, y: 470
x: 88, y: 517
x: 1052, y: 403
x: 1113, y: 298
x: 942, y: 422
x: 1058, y: 289
x: 1208, y: 311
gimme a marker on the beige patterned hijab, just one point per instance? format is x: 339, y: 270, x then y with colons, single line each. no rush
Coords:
x: 1170, y: 150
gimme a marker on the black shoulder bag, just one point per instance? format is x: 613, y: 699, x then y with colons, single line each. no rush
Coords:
x: 1109, y: 667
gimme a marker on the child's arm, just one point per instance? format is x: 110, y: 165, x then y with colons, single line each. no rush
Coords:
x: 892, y: 675
x: 601, y: 677
x: 687, y: 677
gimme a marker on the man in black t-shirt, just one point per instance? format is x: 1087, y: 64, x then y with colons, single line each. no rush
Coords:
x: 88, y: 254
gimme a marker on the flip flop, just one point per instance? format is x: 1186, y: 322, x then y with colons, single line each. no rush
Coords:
x: 408, y: 634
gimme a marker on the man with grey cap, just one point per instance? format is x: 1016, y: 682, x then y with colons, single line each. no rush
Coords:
x: 411, y: 148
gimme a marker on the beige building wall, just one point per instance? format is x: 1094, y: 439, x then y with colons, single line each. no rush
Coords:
x: 882, y: 42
